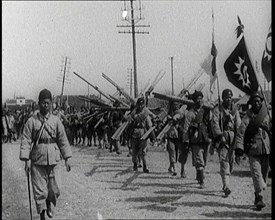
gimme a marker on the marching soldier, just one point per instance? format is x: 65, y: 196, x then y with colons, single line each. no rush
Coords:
x: 195, y: 133
x: 115, y: 121
x: 174, y: 138
x: 141, y: 122
x: 253, y: 139
x: 225, y: 122
x: 43, y: 143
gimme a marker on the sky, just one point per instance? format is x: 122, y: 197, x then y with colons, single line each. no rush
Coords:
x: 38, y: 35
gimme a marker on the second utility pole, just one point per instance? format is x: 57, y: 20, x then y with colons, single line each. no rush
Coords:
x: 172, y: 75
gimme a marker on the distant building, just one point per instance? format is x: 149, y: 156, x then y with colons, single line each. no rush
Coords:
x: 19, y: 103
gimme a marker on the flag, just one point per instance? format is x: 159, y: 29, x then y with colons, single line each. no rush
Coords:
x: 267, y: 58
x: 239, y: 70
x: 206, y: 65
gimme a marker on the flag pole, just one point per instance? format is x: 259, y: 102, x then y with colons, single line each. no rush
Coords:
x: 218, y: 85
x: 265, y: 102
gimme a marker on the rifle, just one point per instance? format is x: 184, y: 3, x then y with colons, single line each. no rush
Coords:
x: 94, y: 101
x: 189, y: 103
x: 123, y: 126
x: 95, y: 87
x: 147, y: 133
x: 120, y: 89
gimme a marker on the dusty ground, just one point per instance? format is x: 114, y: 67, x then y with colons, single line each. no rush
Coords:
x: 103, y: 184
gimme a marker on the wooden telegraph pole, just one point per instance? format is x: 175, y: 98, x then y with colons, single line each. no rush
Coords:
x: 132, y: 20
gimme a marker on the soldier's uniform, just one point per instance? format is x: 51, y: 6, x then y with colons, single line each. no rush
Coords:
x: 174, y: 139
x: 253, y: 139
x: 115, y: 121
x: 45, y: 156
x: 195, y: 134
x: 139, y: 126
x: 225, y: 122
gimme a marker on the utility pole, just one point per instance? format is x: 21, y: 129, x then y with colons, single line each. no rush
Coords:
x: 130, y: 80
x: 64, y: 78
x: 172, y: 75
x: 132, y: 20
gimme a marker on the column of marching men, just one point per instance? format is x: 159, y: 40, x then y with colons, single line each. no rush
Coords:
x: 193, y: 130
x: 185, y: 130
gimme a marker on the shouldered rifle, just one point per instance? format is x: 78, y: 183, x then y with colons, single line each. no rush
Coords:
x: 120, y: 89
x: 147, y: 133
x: 123, y: 126
x: 167, y: 126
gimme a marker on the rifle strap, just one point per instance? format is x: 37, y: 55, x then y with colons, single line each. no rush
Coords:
x: 199, y: 116
x: 35, y: 141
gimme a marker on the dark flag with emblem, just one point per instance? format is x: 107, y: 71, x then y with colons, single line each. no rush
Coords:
x: 239, y: 69
x: 267, y: 58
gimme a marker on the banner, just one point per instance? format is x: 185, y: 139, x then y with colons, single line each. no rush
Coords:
x: 239, y: 69
x: 267, y: 57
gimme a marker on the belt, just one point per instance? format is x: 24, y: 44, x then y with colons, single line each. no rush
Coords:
x: 46, y: 141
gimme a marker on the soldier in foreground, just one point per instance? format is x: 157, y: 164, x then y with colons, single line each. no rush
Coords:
x: 43, y: 143
x: 140, y: 123
x: 195, y: 134
x: 253, y: 139
x: 225, y: 122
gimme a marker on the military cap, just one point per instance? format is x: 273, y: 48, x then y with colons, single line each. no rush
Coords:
x: 227, y: 92
x: 140, y: 101
x: 255, y: 95
x: 45, y: 94
x: 195, y: 95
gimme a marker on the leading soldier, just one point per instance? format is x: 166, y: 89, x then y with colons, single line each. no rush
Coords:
x: 225, y: 122
x: 140, y: 123
x: 43, y: 143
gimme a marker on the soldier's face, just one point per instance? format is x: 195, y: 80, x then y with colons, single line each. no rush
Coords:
x: 45, y: 106
x: 198, y: 101
x: 256, y: 104
x: 227, y: 100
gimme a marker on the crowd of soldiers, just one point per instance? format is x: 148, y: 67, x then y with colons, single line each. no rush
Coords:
x: 193, y: 128
x: 187, y: 129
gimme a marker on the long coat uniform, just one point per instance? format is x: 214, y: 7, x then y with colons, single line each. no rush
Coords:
x: 52, y: 146
x: 174, y: 139
x: 115, y: 121
x: 197, y: 135
x: 230, y: 121
x: 138, y: 128
x: 257, y: 148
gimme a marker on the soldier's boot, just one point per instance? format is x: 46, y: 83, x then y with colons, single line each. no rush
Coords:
x: 201, y: 178
x: 145, y: 169
x: 197, y: 176
x: 174, y: 173
x: 42, y: 215
x: 182, y: 172
x: 226, y: 191
x: 135, y: 168
x: 259, y: 201
x: 170, y: 169
x: 49, y: 209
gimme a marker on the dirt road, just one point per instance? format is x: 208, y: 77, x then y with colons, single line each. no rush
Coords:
x: 102, y: 184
